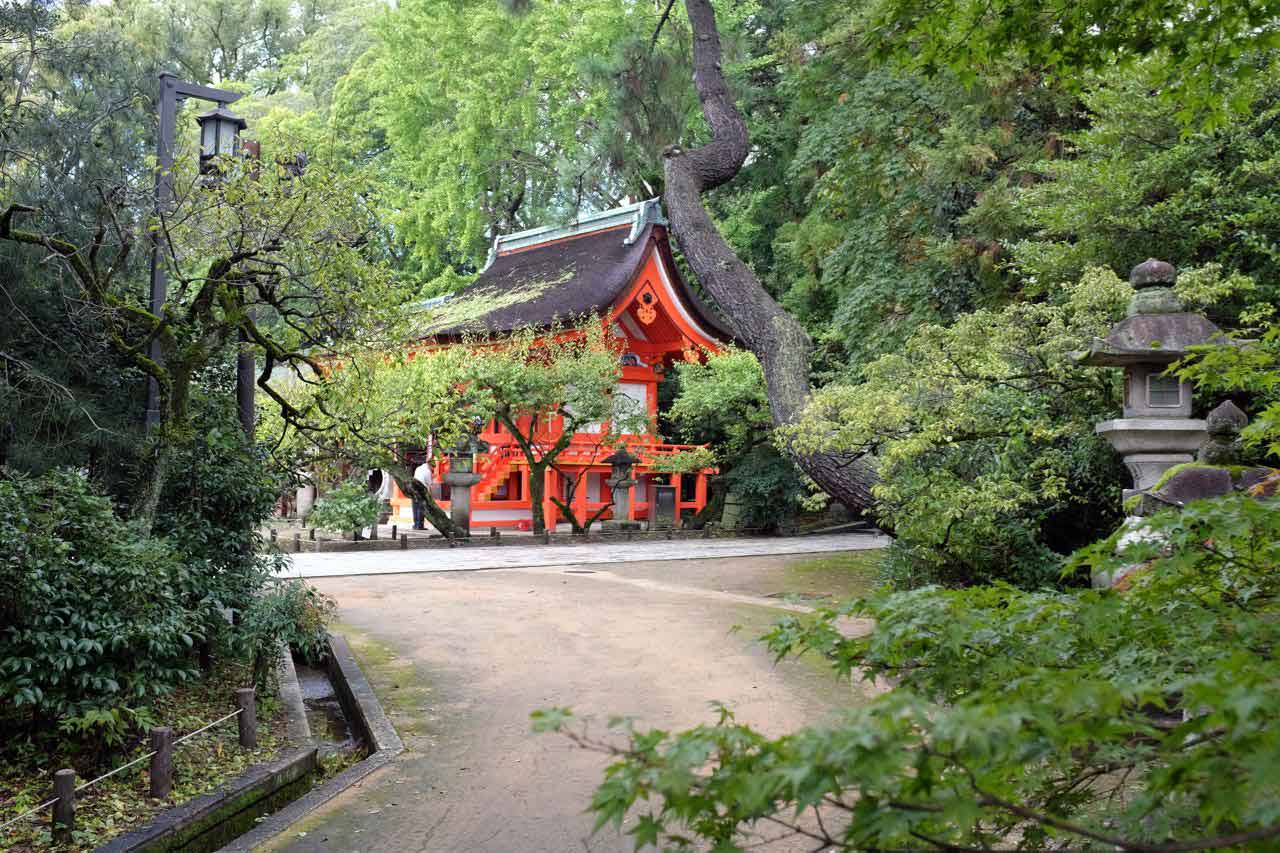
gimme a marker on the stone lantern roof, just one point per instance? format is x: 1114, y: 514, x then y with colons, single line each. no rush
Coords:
x: 1156, y: 331
x: 621, y: 458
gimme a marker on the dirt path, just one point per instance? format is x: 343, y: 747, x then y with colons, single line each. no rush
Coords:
x: 461, y: 659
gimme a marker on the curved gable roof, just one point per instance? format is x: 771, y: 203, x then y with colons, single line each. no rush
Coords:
x: 546, y: 276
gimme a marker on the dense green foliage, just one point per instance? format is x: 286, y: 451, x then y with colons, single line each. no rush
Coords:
x: 347, y: 508
x: 1252, y: 367
x: 1023, y: 720
x: 722, y: 403
x: 102, y: 617
x: 983, y: 436
x: 96, y: 624
x: 288, y: 612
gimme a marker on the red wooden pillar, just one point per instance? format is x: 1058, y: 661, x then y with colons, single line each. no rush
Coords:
x: 550, y: 483
x: 524, y: 485
x: 700, y: 492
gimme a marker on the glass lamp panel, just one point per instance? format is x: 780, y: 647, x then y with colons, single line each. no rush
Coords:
x: 208, y: 137
x: 227, y: 133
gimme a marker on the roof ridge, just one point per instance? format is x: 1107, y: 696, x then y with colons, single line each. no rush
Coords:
x: 637, y: 215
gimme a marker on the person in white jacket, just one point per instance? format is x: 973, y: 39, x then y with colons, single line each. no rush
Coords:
x: 423, y: 475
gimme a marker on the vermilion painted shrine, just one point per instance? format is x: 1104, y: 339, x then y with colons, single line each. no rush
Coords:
x: 616, y: 265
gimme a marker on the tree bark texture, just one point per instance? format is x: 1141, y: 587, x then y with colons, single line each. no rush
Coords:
x: 775, y: 337
x: 413, y: 489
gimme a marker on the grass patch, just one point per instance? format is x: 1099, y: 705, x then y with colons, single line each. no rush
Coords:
x: 833, y: 577
x: 120, y: 804
x: 404, y: 692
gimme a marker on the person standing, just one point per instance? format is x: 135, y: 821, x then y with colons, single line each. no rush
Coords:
x: 423, y: 475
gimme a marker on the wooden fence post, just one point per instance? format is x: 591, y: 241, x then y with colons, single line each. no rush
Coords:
x: 297, y: 543
x: 64, y: 810
x: 248, y: 718
x: 161, y: 762
x: 312, y: 533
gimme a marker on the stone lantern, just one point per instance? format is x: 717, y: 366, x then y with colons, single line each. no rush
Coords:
x: 620, y: 482
x: 461, y: 477
x: 1157, y: 430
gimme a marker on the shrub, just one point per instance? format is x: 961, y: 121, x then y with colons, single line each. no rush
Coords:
x: 723, y: 403
x: 346, y: 508
x: 289, y: 611
x: 220, y: 493
x: 94, y: 621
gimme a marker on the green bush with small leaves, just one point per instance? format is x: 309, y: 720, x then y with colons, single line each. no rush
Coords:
x: 94, y: 625
x: 291, y: 612
x: 347, y: 508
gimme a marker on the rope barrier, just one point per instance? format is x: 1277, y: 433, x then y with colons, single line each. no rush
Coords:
x: 80, y: 788
x: 119, y: 769
x: 206, y: 728
x: 28, y: 814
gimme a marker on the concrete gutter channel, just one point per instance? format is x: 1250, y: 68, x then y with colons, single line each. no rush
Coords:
x: 280, y: 789
x: 366, y: 717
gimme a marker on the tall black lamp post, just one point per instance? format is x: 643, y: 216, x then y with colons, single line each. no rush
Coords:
x: 219, y: 137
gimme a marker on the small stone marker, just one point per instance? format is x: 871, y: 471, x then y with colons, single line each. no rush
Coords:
x: 161, y: 762
x: 297, y: 543
x: 393, y: 532
x: 64, y: 810
x: 404, y: 541
x: 248, y: 718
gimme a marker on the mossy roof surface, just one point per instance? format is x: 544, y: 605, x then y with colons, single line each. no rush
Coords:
x: 558, y: 281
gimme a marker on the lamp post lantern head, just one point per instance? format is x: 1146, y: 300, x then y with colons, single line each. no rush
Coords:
x: 462, y: 456
x: 219, y: 134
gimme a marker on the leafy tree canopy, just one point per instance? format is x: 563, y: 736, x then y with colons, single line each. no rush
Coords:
x: 1204, y: 44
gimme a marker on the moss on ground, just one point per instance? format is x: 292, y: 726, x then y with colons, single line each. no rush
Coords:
x: 121, y: 803
x: 404, y: 691
x: 833, y: 577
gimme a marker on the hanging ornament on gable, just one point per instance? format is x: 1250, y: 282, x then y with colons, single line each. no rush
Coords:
x: 646, y: 308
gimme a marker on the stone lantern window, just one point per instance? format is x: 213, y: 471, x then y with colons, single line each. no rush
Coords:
x: 1164, y: 392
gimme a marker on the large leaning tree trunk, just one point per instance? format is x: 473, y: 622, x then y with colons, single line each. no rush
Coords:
x: 774, y: 336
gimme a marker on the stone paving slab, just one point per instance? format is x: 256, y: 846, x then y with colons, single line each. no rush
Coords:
x: 465, y: 558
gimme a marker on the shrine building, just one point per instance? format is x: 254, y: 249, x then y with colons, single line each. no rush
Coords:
x: 616, y: 265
